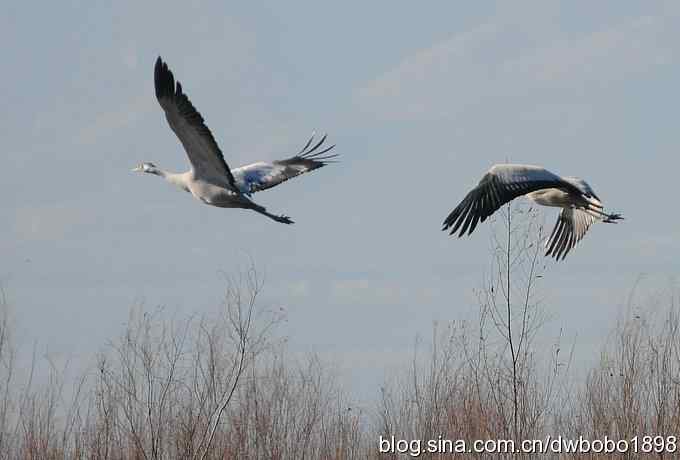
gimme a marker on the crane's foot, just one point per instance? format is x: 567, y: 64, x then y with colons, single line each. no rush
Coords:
x: 283, y: 219
x: 612, y: 218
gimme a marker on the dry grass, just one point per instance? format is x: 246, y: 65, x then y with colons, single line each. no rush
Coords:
x: 223, y: 386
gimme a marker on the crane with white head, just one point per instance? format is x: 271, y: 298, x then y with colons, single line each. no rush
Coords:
x: 210, y: 179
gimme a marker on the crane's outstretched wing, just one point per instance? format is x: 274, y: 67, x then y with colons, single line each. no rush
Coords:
x: 261, y: 176
x: 572, y: 224
x: 500, y: 185
x: 204, y: 154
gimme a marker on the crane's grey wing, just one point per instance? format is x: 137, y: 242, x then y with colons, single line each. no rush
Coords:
x: 572, y: 224
x: 500, y: 185
x: 261, y: 176
x: 204, y: 154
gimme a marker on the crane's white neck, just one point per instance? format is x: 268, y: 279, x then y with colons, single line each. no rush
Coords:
x: 178, y: 180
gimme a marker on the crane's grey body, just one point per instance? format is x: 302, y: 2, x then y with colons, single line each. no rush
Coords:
x: 581, y: 207
x: 210, y: 179
x: 551, y: 197
x: 212, y: 192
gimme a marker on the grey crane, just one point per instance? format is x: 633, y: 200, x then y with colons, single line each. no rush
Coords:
x: 581, y: 207
x: 210, y: 179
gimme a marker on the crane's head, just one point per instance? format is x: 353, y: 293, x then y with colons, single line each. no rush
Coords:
x: 147, y: 168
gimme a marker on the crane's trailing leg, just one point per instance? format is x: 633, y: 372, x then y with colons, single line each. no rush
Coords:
x: 606, y: 217
x: 282, y: 219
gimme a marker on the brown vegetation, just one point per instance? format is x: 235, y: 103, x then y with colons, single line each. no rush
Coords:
x: 223, y: 387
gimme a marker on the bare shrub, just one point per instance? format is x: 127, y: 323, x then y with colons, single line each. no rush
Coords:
x: 210, y: 387
x: 7, y: 371
x: 222, y: 386
x: 163, y: 388
x: 483, y: 379
x: 288, y: 411
x: 635, y: 389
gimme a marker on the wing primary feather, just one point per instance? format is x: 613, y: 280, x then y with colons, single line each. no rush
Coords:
x: 565, y: 237
x: 559, y: 243
x: 316, y: 146
x: 468, y: 219
x: 555, y: 236
x: 451, y: 219
x: 564, y: 242
x: 307, y: 144
x: 569, y: 243
x: 456, y: 217
x: 318, y: 154
x: 461, y: 218
x: 475, y: 219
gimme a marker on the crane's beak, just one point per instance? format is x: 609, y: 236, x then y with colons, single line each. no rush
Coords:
x: 137, y: 168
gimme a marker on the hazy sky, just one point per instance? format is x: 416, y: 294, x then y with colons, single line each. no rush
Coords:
x: 420, y: 98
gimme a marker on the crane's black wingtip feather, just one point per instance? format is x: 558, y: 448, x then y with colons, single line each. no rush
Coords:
x: 164, y: 80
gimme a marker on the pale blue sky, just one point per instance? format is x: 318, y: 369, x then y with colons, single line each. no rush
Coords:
x: 420, y: 98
